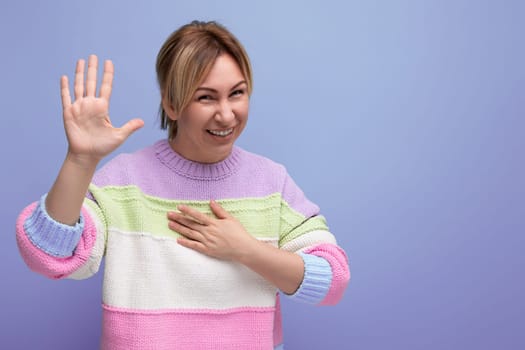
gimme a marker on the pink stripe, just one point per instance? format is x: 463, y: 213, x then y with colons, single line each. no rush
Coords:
x: 240, y: 328
x: 338, y: 261
x: 278, y: 323
x: 48, y: 265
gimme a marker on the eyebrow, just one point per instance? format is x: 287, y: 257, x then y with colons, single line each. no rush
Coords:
x: 213, y: 90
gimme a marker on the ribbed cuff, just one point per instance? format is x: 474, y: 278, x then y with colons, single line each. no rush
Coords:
x: 51, y: 236
x: 316, y: 282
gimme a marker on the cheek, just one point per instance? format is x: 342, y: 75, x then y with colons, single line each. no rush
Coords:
x: 241, y: 110
x: 196, y: 116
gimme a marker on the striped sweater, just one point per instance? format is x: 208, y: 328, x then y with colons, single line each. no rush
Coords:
x: 160, y: 295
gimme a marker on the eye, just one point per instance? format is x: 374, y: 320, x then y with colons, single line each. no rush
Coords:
x: 238, y: 92
x: 204, y: 98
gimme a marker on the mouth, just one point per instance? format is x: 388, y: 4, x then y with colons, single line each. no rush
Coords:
x: 220, y: 133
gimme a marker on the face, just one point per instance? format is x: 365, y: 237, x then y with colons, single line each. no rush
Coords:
x: 208, y: 127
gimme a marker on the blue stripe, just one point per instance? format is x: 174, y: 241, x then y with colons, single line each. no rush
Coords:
x: 316, y: 282
x: 51, y: 236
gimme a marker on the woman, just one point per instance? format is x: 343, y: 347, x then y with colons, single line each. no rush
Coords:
x: 198, y: 235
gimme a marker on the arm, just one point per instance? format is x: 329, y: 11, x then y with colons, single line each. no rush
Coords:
x: 224, y: 237
x: 59, y: 235
x: 90, y: 138
x: 305, y: 232
x: 283, y: 269
x: 308, y: 265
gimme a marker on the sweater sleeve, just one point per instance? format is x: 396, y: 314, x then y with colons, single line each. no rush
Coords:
x: 60, y: 251
x: 305, y: 232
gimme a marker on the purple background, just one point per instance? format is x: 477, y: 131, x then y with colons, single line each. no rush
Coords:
x: 403, y: 120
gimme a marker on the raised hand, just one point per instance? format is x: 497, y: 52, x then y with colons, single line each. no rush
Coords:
x: 89, y: 131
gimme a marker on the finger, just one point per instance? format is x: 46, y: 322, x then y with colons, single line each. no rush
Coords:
x: 107, y: 80
x: 91, y: 78
x: 185, y: 231
x: 79, y: 79
x: 188, y: 243
x: 194, y: 214
x: 218, y: 210
x: 64, y: 92
x: 130, y: 127
x: 185, y: 221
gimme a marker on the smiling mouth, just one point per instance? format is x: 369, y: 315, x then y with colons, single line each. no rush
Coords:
x: 221, y: 133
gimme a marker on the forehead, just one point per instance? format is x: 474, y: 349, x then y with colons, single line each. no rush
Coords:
x: 225, y: 72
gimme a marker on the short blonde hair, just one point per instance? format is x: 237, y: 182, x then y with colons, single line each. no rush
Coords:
x: 186, y: 58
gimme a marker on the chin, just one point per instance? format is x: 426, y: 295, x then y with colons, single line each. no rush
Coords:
x: 222, y: 152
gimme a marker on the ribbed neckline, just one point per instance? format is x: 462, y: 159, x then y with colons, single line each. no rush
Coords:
x: 196, y: 170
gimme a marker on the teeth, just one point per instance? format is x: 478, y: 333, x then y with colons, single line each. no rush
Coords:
x: 221, y: 133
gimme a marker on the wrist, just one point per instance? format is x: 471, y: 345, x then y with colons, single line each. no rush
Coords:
x: 250, y: 252
x: 83, y: 162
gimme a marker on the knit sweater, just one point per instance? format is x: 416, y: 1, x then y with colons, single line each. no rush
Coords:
x: 158, y: 294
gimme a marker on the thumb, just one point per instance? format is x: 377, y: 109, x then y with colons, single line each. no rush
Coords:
x: 218, y: 210
x: 131, y: 126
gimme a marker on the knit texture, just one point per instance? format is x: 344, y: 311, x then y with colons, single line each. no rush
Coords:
x: 317, y: 280
x: 52, y: 237
x: 158, y: 294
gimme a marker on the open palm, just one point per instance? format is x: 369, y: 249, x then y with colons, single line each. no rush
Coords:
x: 89, y: 131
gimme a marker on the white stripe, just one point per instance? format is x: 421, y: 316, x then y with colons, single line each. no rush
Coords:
x: 149, y: 272
x: 309, y: 239
x: 91, y: 266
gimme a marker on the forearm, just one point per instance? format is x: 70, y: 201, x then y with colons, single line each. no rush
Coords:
x: 283, y: 269
x: 65, y: 198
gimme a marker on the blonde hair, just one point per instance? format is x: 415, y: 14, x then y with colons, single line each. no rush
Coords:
x: 186, y: 58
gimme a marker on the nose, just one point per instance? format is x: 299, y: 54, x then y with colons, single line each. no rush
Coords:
x: 224, y: 113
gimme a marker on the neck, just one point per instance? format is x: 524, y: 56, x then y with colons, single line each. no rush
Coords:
x: 197, y: 169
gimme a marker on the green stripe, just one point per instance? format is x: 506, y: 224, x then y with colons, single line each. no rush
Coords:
x: 127, y: 208
x: 99, y: 216
x: 294, y: 224
x: 96, y: 209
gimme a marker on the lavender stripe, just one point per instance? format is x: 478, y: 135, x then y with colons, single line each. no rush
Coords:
x: 161, y: 172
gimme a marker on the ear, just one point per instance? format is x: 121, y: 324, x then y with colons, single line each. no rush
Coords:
x: 168, y: 108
